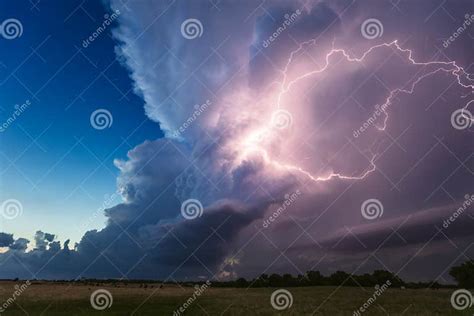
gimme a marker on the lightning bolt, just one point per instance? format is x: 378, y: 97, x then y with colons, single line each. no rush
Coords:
x: 285, y: 85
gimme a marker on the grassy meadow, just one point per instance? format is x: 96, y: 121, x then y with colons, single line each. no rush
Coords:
x: 44, y: 298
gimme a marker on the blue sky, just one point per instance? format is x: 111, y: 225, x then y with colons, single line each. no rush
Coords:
x: 53, y: 161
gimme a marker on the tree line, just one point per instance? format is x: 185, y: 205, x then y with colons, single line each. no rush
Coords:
x: 463, y: 274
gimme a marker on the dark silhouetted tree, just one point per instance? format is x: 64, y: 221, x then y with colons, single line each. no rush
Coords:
x: 315, y: 278
x: 382, y: 276
x: 464, y: 274
x: 262, y: 281
x: 275, y: 280
x: 365, y: 280
x: 241, y: 282
x: 338, y: 278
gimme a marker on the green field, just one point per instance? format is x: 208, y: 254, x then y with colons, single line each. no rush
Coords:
x: 73, y: 299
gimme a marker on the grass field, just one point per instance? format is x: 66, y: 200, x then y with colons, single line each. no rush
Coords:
x: 73, y: 299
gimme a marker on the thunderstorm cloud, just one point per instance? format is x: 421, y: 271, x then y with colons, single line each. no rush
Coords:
x: 296, y: 99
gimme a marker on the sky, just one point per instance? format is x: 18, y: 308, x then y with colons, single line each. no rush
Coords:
x: 222, y: 139
x: 52, y: 160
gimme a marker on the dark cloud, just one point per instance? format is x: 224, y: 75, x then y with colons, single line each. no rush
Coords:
x: 20, y: 244
x: 6, y: 239
x: 42, y: 240
x: 415, y: 229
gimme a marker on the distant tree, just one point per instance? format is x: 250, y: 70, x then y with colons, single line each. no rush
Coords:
x: 464, y: 274
x: 365, y: 280
x: 288, y: 280
x: 301, y: 280
x: 338, y: 278
x: 241, y: 282
x: 382, y: 276
x: 275, y: 280
x: 315, y: 278
x: 262, y: 281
